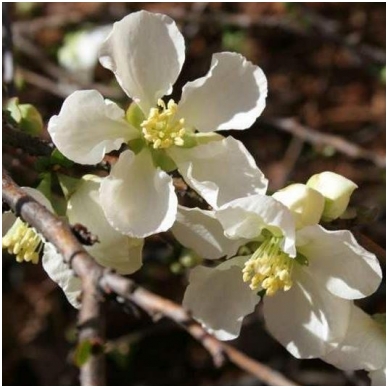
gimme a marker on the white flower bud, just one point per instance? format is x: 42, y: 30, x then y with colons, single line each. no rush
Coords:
x: 337, y: 191
x: 305, y: 203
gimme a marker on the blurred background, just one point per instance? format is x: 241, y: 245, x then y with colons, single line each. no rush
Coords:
x: 325, y: 64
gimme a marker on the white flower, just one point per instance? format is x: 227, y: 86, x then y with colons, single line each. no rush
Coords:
x: 362, y: 348
x: 79, y: 54
x: 337, y: 191
x: 309, y: 278
x: 146, y: 52
x: 113, y: 250
x: 200, y: 231
x: 305, y: 203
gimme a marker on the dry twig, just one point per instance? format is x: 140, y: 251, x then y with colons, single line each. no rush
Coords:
x: 95, y: 278
x: 30, y: 144
x: 317, y: 138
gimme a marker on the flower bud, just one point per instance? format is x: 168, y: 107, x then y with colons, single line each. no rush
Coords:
x: 305, y: 203
x: 337, y: 191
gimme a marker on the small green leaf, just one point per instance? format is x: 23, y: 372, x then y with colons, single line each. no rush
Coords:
x: 68, y: 184
x: 58, y: 158
x: 82, y: 353
x: 45, y: 185
x: 26, y: 116
x: 42, y: 164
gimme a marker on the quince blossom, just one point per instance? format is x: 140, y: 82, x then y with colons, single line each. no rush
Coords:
x: 308, y: 276
x: 337, y: 191
x: 305, y: 203
x: 364, y: 347
x: 113, y: 250
x: 146, y: 52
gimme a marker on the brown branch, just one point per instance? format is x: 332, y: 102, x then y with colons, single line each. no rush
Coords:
x: 92, y: 275
x: 318, y: 138
x: 264, y: 373
x: 60, y: 235
x: 30, y: 144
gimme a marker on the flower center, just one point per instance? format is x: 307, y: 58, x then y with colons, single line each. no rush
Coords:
x: 23, y: 241
x: 269, y: 267
x: 161, y: 129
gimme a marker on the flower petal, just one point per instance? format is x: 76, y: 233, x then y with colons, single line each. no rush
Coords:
x: 61, y: 274
x: 339, y: 263
x: 203, y: 168
x: 231, y: 96
x: 88, y: 127
x: 199, y: 230
x: 219, y: 299
x: 146, y: 52
x: 363, y: 346
x: 306, y: 318
x: 247, y: 217
x: 378, y: 377
x: 114, y: 250
x: 137, y: 198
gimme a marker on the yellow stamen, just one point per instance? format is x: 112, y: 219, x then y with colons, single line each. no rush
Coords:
x: 161, y: 129
x: 23, y: 242
x: 269, y: 268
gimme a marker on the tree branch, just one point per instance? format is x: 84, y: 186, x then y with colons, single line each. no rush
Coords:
x: 317, y: 138
x: 95, y: 278
x: 30, y: 144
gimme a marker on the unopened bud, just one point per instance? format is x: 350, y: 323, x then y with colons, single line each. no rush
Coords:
x: 337, y: 191
x: 305, y: 203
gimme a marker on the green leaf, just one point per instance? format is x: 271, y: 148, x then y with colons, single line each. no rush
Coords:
x: 27, y: 117
x: 58, y: 158
x: 45, y: 185
x: 82, y: 353
x: 42, y: 164
x: 68, y: 184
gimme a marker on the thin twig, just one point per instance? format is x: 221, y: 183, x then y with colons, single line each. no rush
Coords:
x: 318, y: 138
x: 329, y: 30
x: 92, y: 274
x: 264, y: 373
x: 68, y: 83
x: 30, y: 144
x: 59, y: 233
x: 7, y: 49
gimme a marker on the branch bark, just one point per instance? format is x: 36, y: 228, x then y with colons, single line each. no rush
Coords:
x: 30, y: 144
x: 96, y: 279
x: 315, y: 137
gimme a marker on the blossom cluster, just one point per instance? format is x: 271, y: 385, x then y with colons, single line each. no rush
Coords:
x: 259, y: 248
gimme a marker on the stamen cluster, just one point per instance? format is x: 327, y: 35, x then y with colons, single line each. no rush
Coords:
x: 161, y: 129
x: 23, y: 241
x: 269, y: 268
